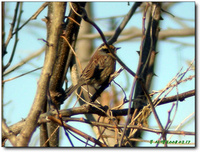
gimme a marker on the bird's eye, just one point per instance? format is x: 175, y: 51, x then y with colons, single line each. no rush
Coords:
x: 105, y: 50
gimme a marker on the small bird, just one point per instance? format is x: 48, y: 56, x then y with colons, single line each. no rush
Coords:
x: 99, y: 69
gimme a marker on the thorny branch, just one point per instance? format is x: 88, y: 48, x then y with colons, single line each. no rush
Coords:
x: 144, y: 69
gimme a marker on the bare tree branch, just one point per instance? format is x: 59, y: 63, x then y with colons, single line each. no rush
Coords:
x: 87, y: 109
x: 135, y: 32
x: 21, y: 75
x: 181, y: 97
x: 124, y: 22
x: 24, y: 61
x: 16, y: 39
x: 43, y: 84
x: 82, y: 134
x: 11, y: 28
x: 8, y: 133
x: 33, y: 17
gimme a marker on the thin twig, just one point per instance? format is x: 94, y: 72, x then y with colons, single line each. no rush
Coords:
x: 16, y: 39
x: 33, y: 17
x: 91, y: 104
x: 82, y: 134
x: 79, y: 63
x: 78, y: 138
x: 24, y: 61
x: 176, y: 108
x: 129, y: 105
x: 170, y: 121
x: 50, y: 136
x: 128, y: 34
x: 166, y: 126
x: 182, y: 122
x: 151, y: 105
x: 166, y: 88
x: 21, y: 75
x: 73, y: 20
x: 129, y: 112
x: 12, y: 25
x: 71, y: 6
x: 107, y: 125
x: 165, y: 99
x: 101, y: 133
x: 181, y: 75
x: 126, y: 19
x: 71, y: 112
x: 181, y: 97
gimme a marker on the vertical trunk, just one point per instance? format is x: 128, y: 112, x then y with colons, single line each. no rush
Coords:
x: 147, y: 54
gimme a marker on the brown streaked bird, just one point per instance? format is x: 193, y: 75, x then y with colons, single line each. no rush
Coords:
x: 99, y: 69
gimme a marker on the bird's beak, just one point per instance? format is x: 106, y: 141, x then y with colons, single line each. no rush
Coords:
x: 118, y: 48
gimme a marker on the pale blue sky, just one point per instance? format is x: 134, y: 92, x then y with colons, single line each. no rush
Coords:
x: 170, y: 59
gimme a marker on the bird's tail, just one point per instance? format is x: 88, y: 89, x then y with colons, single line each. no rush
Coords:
x: 70, y: 90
